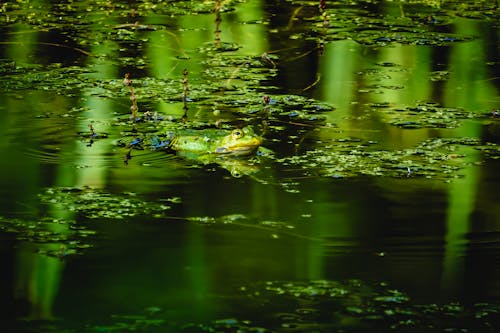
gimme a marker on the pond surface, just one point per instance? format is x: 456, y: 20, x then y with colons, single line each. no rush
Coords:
x: 372, y: 204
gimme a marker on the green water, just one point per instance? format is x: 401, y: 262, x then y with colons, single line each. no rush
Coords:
x: 371, y: 207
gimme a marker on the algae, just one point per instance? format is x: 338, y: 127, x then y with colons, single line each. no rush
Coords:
x: 67, y: 237
x: 322, y: 306
x: 436, y: 158
x: 98, y: 204
x: 413, y: 23
x: 426, y: 115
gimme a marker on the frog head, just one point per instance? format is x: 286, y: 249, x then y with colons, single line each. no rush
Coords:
x: 239, y: 142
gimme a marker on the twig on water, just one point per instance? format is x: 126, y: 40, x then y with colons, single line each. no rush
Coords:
x: 318, y: 78
x: 52, y: 44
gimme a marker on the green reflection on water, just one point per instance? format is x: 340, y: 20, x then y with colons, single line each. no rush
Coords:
x: 37, y: 275
x: 469, y: 87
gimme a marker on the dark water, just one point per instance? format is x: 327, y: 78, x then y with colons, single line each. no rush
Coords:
x: 383, y: 216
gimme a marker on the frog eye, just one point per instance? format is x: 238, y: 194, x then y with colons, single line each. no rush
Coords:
x: 236, y: 174
x: 237, y: 133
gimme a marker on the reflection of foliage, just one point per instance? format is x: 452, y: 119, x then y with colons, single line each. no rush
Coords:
x: 94, y: 203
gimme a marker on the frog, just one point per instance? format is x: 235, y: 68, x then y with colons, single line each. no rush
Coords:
x: 234, y: 150
x: 238, y: 142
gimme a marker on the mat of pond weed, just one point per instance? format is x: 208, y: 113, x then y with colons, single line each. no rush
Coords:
x: 437, y: 158
x: 417, y: 23
x: 52, y: 237
x: 98, y: 204
x: 315, y: 306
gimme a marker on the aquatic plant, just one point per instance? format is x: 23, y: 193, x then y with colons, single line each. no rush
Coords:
x: 218, y: 21
x: 322, y: 306
x: 133, y: 98
x: 95, y: 203
x: 324, y: 14
x: 360, y: 22
x: 89, y: 137
x: 185, y: 89
x: 52, y: 237
x: 357, y: 305
x: 424, y: 115
x: 436, y: 158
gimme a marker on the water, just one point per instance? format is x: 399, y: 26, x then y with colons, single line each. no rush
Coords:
x: 376, y: 209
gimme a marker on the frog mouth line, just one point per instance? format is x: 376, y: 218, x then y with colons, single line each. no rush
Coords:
x: 243, y: 150
x: 239, y: 150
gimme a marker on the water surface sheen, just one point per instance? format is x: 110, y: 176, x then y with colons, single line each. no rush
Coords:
x: 372, y: 204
